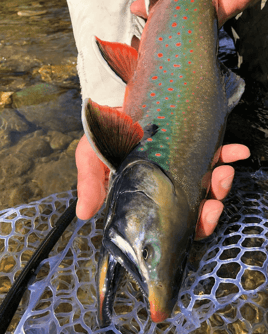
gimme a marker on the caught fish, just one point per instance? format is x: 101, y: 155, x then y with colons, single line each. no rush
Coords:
x: 161, y: 149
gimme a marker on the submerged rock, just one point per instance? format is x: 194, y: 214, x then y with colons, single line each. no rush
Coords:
x: 5, y: 98
x: 59, y: 140
x: 34, y: 147
x: 36, y: 94
x: 57, y: 73
x: 62, y: 114
x: 10, y: 120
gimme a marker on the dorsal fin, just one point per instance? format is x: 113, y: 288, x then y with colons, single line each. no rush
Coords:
x: 122, y: 58
x: 111, y: 132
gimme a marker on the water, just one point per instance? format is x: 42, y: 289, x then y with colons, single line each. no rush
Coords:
x: 40, y: 102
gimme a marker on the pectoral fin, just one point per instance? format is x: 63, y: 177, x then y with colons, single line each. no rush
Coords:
x: 108, y: 277
x: 122, y: 58
x: 111, y: 133
x: 234, y: 87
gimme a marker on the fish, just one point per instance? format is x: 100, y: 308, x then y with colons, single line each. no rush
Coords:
x: 161, y: 149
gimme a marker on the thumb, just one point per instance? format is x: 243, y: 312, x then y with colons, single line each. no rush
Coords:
x: 90, y: 180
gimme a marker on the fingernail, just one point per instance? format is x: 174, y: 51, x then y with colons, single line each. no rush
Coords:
x: 213, y: 216
x: 227, y: 182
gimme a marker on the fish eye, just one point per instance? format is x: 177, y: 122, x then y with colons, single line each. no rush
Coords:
x: 145, y: 253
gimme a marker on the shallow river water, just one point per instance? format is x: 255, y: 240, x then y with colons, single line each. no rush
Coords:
x: 40, y: 101
x: 226, y: 287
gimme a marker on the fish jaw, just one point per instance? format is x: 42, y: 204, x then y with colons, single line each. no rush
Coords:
x: 148, y: 231
x: 108, y: 278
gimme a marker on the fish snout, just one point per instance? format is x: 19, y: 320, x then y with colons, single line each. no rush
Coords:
x: 161, y: 302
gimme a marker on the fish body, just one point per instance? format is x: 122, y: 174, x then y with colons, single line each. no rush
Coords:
x: 161, y: 148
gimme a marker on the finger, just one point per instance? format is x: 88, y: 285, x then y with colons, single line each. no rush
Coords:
x: 234, y: 152
x: 90, y: 180
x: 209, y: 218
x: 138, y: 8
x: 221, y: 181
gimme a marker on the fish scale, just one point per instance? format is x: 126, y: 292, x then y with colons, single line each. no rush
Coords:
x: 184, y: 88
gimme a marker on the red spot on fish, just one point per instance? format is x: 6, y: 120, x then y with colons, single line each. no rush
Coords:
x: 174, y: 24
x: 160, y: 67
x: 164, y: 130
x: 191, y: 51
x: 190, y: 41
x: 171, y: 73
x: 179, y: 96
x: 185, y: 17
x: 161, y: 145
x: 144, y: 106
x: 189, y: 31
x: 160, y: 39
x: 181, y: 76
x: 192, y: 93
x: 178, y: 44
x: 161, y: 117
x: 170, y: 89
x: 166, y: 45
x: 158, y: 109
x: 185, y: 83
x: 160, y: 55
x: 147, y: 115
x: 193, y: 71
x: 158, y: 154
x: 189, y: 62
x: 186, y: 9
x: 168, y: 59
x: 142, y: 149
x: 149, y: 139
x: 157, y: 102
x: 195, y: 9
x: 176, y: 65
x: 187, y: 100
x: 167, y: 137
x: 170, y: 80
x: 154, y: 78
x: 166, y: 98
x: 164, y: 71
x: 178, y: 7
x: 172, y: 113
x: 177, y: 56
x: 183, y: 112
x: 169, y: 37
x: 172, y: 106
x: 175, y: 15
x: 160, y: 84
x: 152, y: 94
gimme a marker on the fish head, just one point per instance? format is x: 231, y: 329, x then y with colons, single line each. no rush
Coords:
x: 148, y: 232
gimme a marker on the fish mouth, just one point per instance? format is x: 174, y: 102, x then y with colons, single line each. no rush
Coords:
x: 122, y: 251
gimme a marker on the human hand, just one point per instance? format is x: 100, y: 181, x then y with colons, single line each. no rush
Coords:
x: 92, y: 180
x: 221, y: 183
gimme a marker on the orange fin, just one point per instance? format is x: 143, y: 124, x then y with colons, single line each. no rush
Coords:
x: 113, y: 133
x: 122, y: 58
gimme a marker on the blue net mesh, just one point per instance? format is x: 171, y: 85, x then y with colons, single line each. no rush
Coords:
x: 224, y: 291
